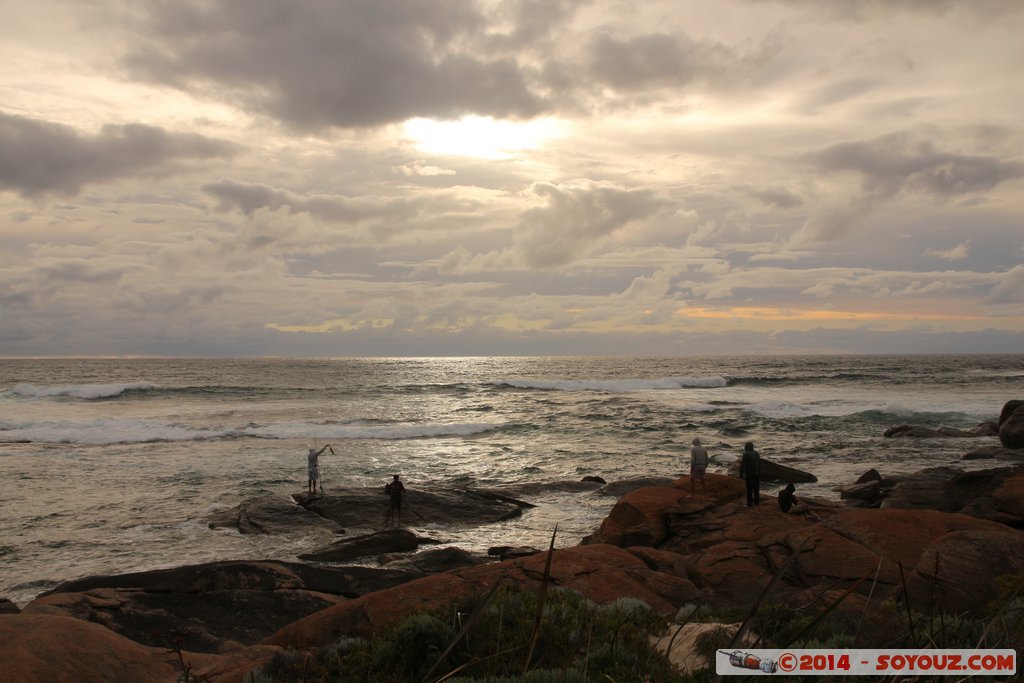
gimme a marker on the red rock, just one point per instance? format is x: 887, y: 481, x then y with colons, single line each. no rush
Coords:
x: 37, y: 648
x: 643, y: 517
x: 602, y: 573
x: 1009, y: 496
x: 959, y: 571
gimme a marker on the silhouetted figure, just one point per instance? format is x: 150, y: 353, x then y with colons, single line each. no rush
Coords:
x: 750, y: 470
x: 394, y: 489
x: 788, y: 503
x: 787, y: 498
x: 698, y: 464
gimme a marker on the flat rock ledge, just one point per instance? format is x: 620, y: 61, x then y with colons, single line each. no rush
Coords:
x: 340, y: 509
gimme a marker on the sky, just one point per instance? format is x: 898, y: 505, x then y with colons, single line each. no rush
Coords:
x: 511, y: 177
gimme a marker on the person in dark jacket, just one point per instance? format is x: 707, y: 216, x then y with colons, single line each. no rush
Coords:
x: 750, y: 471
x: 787, y: 499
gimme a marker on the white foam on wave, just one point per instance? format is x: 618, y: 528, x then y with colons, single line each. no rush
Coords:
x: 121, y: 431
x: 620, y: 384
x: 106, y: 431
x: 304, y: 430
x: 779, y: 409
x: 83, y: 391
x: 701, y: 408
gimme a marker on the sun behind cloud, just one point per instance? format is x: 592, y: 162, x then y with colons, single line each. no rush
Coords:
x: 481, y: 136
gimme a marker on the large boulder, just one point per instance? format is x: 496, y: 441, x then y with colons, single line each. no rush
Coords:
x: 39, y: 648
x: 643, y: 516
x: 377, y: 543
x: 994, y: 452
x: 985, y: 494
x: 213, y: 607
x: 912, y: 432
x: 1011, y: 425
x: 367, y: 508
x: 269, y: 515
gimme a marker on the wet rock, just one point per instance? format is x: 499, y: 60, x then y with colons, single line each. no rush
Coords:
x: 959, y: 433
x: 507, y: 552
x: 987, y: 429
x: 994, y: 453
x: 869, y: 476
x: 269, y: 515
x: 368, y: 545
x: 1008, y: 409
x: 594, y: 479
x: 8, y: 607
x: 1011, y: 425
x: 913, y: 432
x: 366, y: 508
x: 434, y: 561
x: 868, y: 491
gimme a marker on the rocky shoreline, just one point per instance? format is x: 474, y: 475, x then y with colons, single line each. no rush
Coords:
x: 940, y: 540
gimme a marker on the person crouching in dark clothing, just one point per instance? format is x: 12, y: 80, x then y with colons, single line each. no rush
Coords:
x: 750, y: 471
x: 787, y: 498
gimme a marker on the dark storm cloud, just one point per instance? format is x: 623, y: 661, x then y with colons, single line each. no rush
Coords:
x: 346, y: 63
x: 38, y: 156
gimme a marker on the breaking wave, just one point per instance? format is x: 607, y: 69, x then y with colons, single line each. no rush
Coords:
x: 125, y: 431
x: 619, y: 384
x: 83, y: 391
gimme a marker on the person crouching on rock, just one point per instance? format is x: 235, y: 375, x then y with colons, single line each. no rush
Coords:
x: 790, y: 505
x: 750, y: 471
x: 698, y: 464
x: 394, y: 489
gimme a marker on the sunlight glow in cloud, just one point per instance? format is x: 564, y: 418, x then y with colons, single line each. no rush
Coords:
x: 481, y: 136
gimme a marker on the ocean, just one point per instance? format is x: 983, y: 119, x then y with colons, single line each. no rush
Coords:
x: 112, y: 465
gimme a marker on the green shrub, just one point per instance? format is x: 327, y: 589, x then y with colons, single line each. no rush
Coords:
x: 577, y: 641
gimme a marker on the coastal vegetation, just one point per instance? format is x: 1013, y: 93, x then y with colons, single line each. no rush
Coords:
x: 487, y: 639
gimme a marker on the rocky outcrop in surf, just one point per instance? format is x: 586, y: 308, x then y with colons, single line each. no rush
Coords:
x: 993, y: 494
x: 342, y: 508
x: 1011, y: 425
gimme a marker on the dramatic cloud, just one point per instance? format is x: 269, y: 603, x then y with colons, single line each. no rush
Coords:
x: 893, y: 164
x: 39, y: 156
x: 315, y: 63
x: 576, y: 219
x: 323, y: 177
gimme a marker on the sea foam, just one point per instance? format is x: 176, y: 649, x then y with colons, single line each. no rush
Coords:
x: 620, y: 384
x: 83, y: 391
x: 126, y: 431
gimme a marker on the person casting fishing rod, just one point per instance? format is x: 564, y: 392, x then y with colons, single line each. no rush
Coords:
x: 314, y: 468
